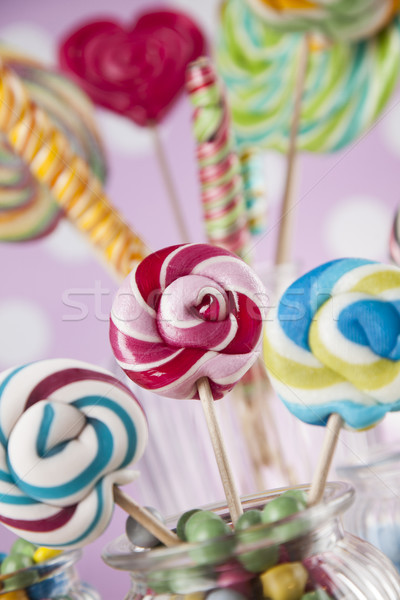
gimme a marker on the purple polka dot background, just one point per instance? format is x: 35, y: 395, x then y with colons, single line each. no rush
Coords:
x: 56, y: 296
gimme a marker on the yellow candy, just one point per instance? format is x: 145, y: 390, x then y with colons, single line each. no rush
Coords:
x: 194, y: 596
x: 42, y: 554
x: 16, y: 595
x: 285, y: 582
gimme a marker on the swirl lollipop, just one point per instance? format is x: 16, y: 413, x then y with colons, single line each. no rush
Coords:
x: 27, y: 208
x: 68, y: 432
x: 332, y: 350
x: 187, y: 324
x: 259, y: 67
x: 288, y: 93
x: 334, y: 19
x: 137, y: 70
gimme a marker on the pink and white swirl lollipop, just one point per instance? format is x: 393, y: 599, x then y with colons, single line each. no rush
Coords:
x: 68, y: 432
x: 188, y: 312
x: 187, y: 323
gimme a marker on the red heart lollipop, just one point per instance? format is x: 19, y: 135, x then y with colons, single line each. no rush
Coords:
x: 136, y: 71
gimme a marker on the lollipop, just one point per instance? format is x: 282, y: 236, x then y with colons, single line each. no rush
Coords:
x: 187, y: 324
x: 346, y: 86
x: 53, y: 162
x: 27, y: 208
x: 332, y: 349
x: 252, y: 165
x: 394, y: 243
x: 137, y: 70
x: 68, y: 432
x: 334, y: 19
x: 219, y: 166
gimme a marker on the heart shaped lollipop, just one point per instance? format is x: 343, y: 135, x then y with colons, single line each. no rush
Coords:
x: 135, y: 70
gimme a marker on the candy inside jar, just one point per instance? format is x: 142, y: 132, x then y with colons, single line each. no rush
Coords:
x: 304, y: 556
x: 46, y: 575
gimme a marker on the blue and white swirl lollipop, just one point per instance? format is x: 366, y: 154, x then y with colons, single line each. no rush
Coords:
x: 332, y: 350
x: 334, y: 344
x: 68, y: 433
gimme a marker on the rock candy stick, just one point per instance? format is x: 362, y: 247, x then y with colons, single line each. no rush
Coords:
x: 219, y: 166
x: 187, y: 323
x: 80, y: 194
x: 331, y: 350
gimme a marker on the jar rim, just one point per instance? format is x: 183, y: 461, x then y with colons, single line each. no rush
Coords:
x: 43, y: 569
x: 123, y: 555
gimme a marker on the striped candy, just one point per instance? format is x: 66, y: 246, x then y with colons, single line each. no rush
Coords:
x: 27, y: 208
x: 332, y: 345
x: 68, y: 432
x: 187, y: 312
x: 394, y: 242
x: 255, y: 194
x: 346, y: 88
x: 53, y: 162
x: 221, y: 183
x: 336, y: 19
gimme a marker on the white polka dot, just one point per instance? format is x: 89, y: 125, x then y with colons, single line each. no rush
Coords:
x: 390, y: 129
x: 275, y: 172
x: 30, y: 39
x: 25, y: 332
x: 360, y: 227
x: 204, y: 13
x: 122, y: 135
x: 66, y: 244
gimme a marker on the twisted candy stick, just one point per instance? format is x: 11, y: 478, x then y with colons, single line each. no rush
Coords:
x: 219, y: 167
x: 68, y: 431
x: 394, y: 243
x: 52, y: 161
x: 187, y: 323
x: 346, y: 88
x: 252, y: 166
x: 332, y: 349
x: 335, y: 19
x: 27, y: 209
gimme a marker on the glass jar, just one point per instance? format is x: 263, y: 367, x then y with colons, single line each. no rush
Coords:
x: 375, y: 514
x: 56, y: 578
x: 309, y: 557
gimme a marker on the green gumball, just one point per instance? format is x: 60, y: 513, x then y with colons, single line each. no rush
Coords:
x: 21, y: 546
x: 247, y: 532
x: 206, y: 528
x: 183, y: 519
x: 18, y: 562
